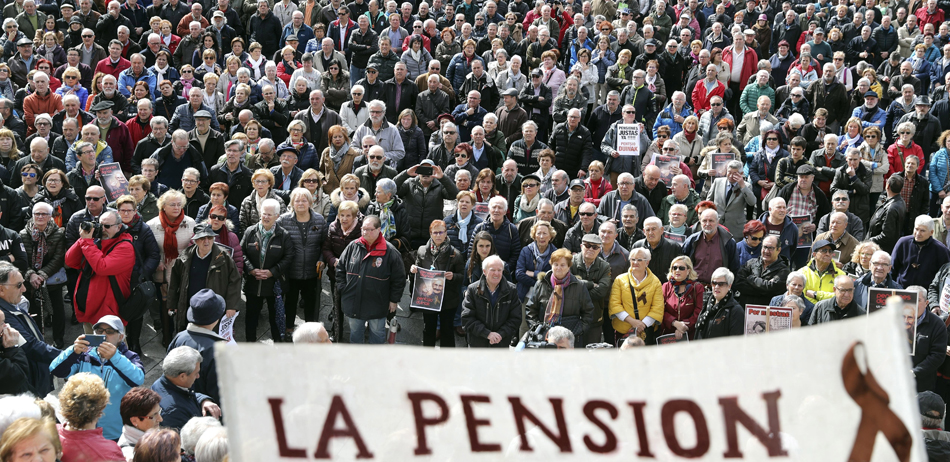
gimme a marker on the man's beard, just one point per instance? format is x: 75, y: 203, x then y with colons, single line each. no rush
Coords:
x: 708, y: 232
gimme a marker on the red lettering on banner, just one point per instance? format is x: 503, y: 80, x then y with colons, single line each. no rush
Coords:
x: 283, y: 449
x: 733, y: 415
x: 670, y: 409
x: 472, y: 423
x: 562, y: 439
x: 641, y: 428
x: 338, y: 409
x: 610, y: 443
x: 422, y: 448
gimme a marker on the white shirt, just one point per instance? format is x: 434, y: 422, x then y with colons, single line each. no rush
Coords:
x: 738, y: 59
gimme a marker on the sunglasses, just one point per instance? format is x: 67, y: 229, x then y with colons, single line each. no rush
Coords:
x: 94, y: 199
x: 840, y: 199
x: 669, y: 149
x: 715, y: 104
x: 531, y: 185
x: 755, y: 239
x: 719, y: 283
x: 448, y: 133
x: 105, y: 331
x: 186, y: 71
x: 311, y: 180
x: 587, y: 214
x: 70, y: 77
x: 588, y: 245
x: 905, y: 133
x: 375, y: 157
x: 28, y: 174
x: 88, y: 36
x: 680, y: 268
x: 771, y: 139
x: 105, y: 226
x: 217, y: 217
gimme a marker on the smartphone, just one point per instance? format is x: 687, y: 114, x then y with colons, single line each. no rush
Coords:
x: 425, y: 170
x: 95, y: 340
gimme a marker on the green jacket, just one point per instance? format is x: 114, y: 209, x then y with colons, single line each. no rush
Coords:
x: 750, y: 97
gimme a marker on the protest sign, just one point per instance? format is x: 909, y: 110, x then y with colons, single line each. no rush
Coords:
x: 226, y: 329
x: 945, y: 297
x: 671, y: 338
x: 760, y: 319
x: 877, y: 300
x: 429, y: 290
x: 677, y: 238
x: 113, y: 181
x: 481, y: 210
x: 846, y: 393
x: 628, y: 139
x: 805, y: 240
x: 720, y: 162
x: 664, y: 163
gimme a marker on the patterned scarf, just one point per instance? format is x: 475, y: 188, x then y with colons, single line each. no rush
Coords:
x: 337, y: 154
x: 39, y: 248
x: 388, y: 219
x: 555, y: 308
x: 58, y: 209
x: 170, y: 246
x: 265, y: 239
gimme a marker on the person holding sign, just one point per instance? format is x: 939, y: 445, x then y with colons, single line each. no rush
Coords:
x: 732, y: 195
x: 878, y: 278
x: 439, y: 255
x: 613, y: 141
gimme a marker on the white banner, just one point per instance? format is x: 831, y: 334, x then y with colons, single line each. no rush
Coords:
x: 628, y: 139
x: 793, y: 396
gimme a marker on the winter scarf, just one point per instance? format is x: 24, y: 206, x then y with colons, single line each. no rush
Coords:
x: 170, y: 246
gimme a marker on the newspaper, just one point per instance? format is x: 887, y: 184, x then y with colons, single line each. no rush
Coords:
x: 877, y: 299
x: 720, y: 162
x: 805, y: 240
x: 113, y: 181
x: 760, y: 319
x: 429, y: 290
x: 628, y: 139
x: 226, y: 329
x: 665, y: 163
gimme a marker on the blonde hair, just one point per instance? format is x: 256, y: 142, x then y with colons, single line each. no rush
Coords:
x: 542, y: 223
x: 171, y: 194
x: 26, y: 428
x: 689, y: 264
x: 83, y: 399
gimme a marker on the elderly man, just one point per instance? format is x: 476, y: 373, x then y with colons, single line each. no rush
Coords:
x: 375, y: 168
x: 430, y: 104
x: 180, y: 369
x: 711, y: 247
x: 116, y: 134
x: 821, y: 271
x: 157, y: 139
x: 511, y: 116
x: 879, y: 278
x: 749, y: 101
x: 184, y: 117
x: 830, y: 94
x: 837, y: 306
x: 114, y: 63
x: 41, y: 101
x: 559, y: 191
x: 312, y: 333
x: 136, y: 73
x: 84, y: 173
x: 918, y: 258
x: 386, y: 134
x: 177, y: 156
x: 469, y: 115
x: 931, y: 343
x: 318, y: 120
x: 572, y: 145
x: 887, y: 222
x: 588, y: 223
x: 680, y: 193
x: 941, y: 223
x: 805, y: 199
x: 649, y: 185
x: 39, y: 155
x: 732, y: 195
x: 839, y: 236
x: 594, y: 273
x: 840, y: 202
x: 370, y: 304
x: 205, y: 310
x: 545, y: 212
x: 630, y: 232
x: 21, y: 326
x: 761, y: 279
x: 613, y: 202
x: 749, y: 127
x: 568, y: 210
x: 663, y: 250
x: 423, y: 196
x: 777, y: 223
x: 827, y: 160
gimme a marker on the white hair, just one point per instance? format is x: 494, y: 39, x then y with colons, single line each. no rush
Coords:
x: 192, y: 431
x: 213, y: 444
x: 723, y: 272
x: 271, y: 204
x: 309, y: 332
x: 924, y: 220
x: 181, y: 360
x: 641, y: 250
x: 498, y: 200
x: 654, y: 220
x: 558, y: 333
x: 490, y: 260
x: 17, y: 407
x: 42, y: 206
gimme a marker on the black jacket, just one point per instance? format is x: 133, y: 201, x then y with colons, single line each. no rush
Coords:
x: 449, y: 260
x: 55, y: 250
x: 145, y: 148
x: 367, y: 285
x: 755, y: 285
x: 147, y: 253
x: 655, y: 197
x: 193, y: 203
x: 887, y: 222
x: 827, y: 310
x: 480, y: 317
x: 400, y: 240
x: 662, y: 255
x: 824, y: 205
x: 858, y: 188
x: 424, y: 205
x: 307, y: 241
x: 918, y: 204
x: 722, y: 319
x: 577, y: 309
x: 930, y: 352
x: 12, y: 246
x: 213, y: 150
x: 278, y: 259
x: 573, y: 151
x: 223, y: 278
x: 239, y: 183
x: 12, y: 216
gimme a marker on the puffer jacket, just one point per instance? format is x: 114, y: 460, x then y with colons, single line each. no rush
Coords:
x: 649, y: 302
x: 278, y: 259
x: 459, y: 68
x: 756, y: 285
x: 400, y: 212
x: 723, y: 319
x: 506, y: 239
x: 307, y: 248
x: 528, y: 261
x: 452, y: 229
x: 480, y: 317
x: 577, y: 309
x: 223, y: 278
x: 250, y: 216
x: 414, y: 143
x: 424, y: 205
x: 598, y: 281
x: 858, y: 188
x: 385, y: 280
x: 450, y: 260
x: 573, y: 151
x: 827, y: 311
x: 147, y: 253
x: 335, y: 242
x: 55, y: 250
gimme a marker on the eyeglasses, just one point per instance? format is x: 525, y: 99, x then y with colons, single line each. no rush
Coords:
x: 70, y: 77
x: 754, y: 239
x: 771, y: 139
x: 18, y: 285
x: 844, y: 291
x: 461, y: 156
x: 448, y: 133
x: 88, y: 36
x: 531, y: 185
x: 628, y: 112
x: 41, y: 214
x: 105, y: 331
x: 718, y: 283
x: 769, y: 247
x: 28, y: 174
x: 679, y: 268
x: 880, y: 263
x: 638, y: 260
x: 587, y: 214
x: 261, y: 182
x: 841, y: 199
x: 417, y: 27
x: 662, y: 136
x: 438, y: 233
x: 796, y: 95
x: 825, y: 250
x: 871, y: 137
x: 356, y: 94
x: 905, y: 133
x: 54, y: 180
x: 669, y: 149
x: 105, y: 226
x: 588, y: 245
x: 94, y: 199
x: 715, y: 104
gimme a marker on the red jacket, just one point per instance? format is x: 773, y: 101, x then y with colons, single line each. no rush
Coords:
x: 924, y: 17
x: 687, y: 310
x: 35, y: 104
x: 701, y: 98
x: 897, y: 155
x: 138, y: 132
x: 121, y: 143
x: 105, y: 66
x: 88, y: 258
x: 749, y: 65
x: 282, y: 73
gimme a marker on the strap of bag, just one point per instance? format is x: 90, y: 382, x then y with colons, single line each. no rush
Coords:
x: 633, y: 295
x: 116, y: 291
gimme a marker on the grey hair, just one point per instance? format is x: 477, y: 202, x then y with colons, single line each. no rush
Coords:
x: 17, y: 407
x: 181, y: 360
x: 193, y: 429
x: 544, y: 201
x: 230, y: 143
x: 41, y: 206
x: 924, y: 220
x: 387, y: 185
x: 796, y: 120
x: 795, y: 274
x: 678, y: 208
x: 309, y: 332
x: 921, y: 292
x: 266, y: 142
x: 558, y: 333
x: 490, y: 260
x: 463, y: 172
x: 794, y: 299
x: 724, y: 273
x: 498, y: 199
x: 156, y: 121
x: 488, y: 116
x: 179, y: 135
x: 213, y: 444
x: 734, y: 165
x: 271, y: 204
x: 531, y: 124
x: 630, y: 208
x: 244, y: 71
x: 641, y: 250
x: 907, y: 126
x: 191, y: 171
x: 653, y: 220
x: 376, y: 103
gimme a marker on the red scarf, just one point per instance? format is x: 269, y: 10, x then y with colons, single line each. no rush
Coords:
x: 689, y: 136
x: 170, y: 246
x: 378, y: 249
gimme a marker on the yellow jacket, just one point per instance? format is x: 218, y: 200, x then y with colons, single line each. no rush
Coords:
x: 823, y: 285
x: 649, y: 300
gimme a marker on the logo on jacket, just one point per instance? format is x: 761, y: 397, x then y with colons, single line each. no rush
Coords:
x: 378, y: 262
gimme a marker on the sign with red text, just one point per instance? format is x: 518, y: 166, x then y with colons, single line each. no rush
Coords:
x: 628, y: 139
x: 834, y: 392
x: 428, y: 290
x: 113, y: 181
x: 760, y: 319
x: 877, y: 300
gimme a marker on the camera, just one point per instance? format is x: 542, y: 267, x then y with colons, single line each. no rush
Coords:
x: 535, y: 338
x: 93, y: 226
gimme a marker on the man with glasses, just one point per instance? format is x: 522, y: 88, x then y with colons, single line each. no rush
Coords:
x: 608, y: 146
x: 711, y: 247
x: 837, y: 305
x: 19, y: 326
x: 90, y: 52
x: 663, y: 250
x: 763, y: 278
x: 821, y: 273
x: 795, y: 103
x: 39, y: 155
x: 587, y: 222
x: 927, y: 126
x: 177, y: 156
x: 233, y: 172
x: 917, y: 258
x: 375, y: 168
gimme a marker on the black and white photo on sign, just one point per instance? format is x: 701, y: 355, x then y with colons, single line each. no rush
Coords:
x: 666, y: 164
x: 907, y: 301
x: 720, y: 163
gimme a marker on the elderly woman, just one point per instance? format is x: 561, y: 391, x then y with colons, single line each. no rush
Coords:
x: 750, y: 247
x: 690, y: 143
x: 860, y: 263
x: 439, y: 255
x: 349, y: 190
x: 240, y: 101
x: 546, y: 169
x: 72, y: 86
x: 187, y: 81
x: 683, y: 296
x: 210, y: 95
x: 535, y: 257
x: 146, y: 203
x: 270, y: 78
x: 448, y: 47
x: 897, y: 153
x: 141, y: 411
x: 303, y: 279
x: 340, y: 233
x: 619, y: 75
x: 44, y: 244
x: 560, y: 299
x: 148, y: 255
x: 30, y: 176
x: 82, y: 401
x: 461, y: 224
x: 490, y: 309
x: 795, y: 285
x: 413, y: 139
x: 416, y: 58
x: 526, y: 204
x: 160, y: 445
x: 224, y: 228
x: 338, y: 158
x: 797, y: 304
x: 722, y: 315
x: 874, y: 157
x: 313, y: 181
x: 263, y: 182
x: 307, y: 156
x: 173, y: 231
x: 463, y: 161
x: 629, y: 315
x: 219, y: 193
x: 393, y: 214
x: 35, y: 440
x: 268, y: 254
x: 335, y: 84
x: 765, y: 163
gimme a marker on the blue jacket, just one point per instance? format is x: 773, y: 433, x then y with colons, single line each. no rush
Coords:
x: 609, y: 59
x: 120, y: 373
x: 747, y: 253
x: 467, y: 122
x: 913, y: 264
x: 126, y: 79
x: 507, y: 240
x: 939, y: 166
x: 727, y: 245
x: 876, y: 120
x: 789, y: 237
x: 527, y: 262
x: 665, y: 117
x: 202, y: 340
x: 452, y: 228
x: 573, y: 49
x: 304, y: 35
x: 178, y: 406
x: 758, y: 172
x: 307, y: 155
x: 459, y: 68
x: 862, y: 284
x: 922, y: 70
x: 39, y: 353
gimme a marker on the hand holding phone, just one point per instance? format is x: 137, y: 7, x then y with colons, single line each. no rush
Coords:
x: 95, y: 340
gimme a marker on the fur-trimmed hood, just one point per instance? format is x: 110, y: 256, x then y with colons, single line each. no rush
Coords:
x: 335, y: 198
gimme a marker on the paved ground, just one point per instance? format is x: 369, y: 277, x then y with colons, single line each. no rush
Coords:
x: 153, y: 353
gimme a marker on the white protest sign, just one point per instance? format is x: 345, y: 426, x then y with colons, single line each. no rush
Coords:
x: 793, y: 397
x: 945, y: 296
x: 226, y: 329
x: 628, y: 139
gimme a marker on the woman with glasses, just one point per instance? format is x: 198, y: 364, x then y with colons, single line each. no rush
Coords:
x: 874, y: 157
x: 188, y: 80
x: 303, y: 278
x: 7, y: 87
x: 45, y: 66
x: 765, y: 164
x: 141, y: 408
x: 313, y: 181
x: 438, y: 254
x: 173, y: 231
x: 208, y: 64
x: 337, y: 159
x: 526, y: 204
x: 147, y: 252
x: 218, y: 195
x: 57, y: 192
x: 655, y: 147
x: 535, y: 257
x: 722, y: 315
x: 239, y: 102
x: 44, y: 244
x: 463, y: 161
x: 683, y: 297
x: 146, y: 204
x: 263, y: 182
x: 221, y: 223
x: 72, y: 86
x: 11, y: 35
x: 335, y: 84
x: 617, y: 164
x: 897, y: 153
x: 30, y: 175
x: 340, y: 233
x: 750, y: 247
x: 860, y: 263
x: 51, y: 49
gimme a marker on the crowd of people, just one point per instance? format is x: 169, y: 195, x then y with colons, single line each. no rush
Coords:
x: 787, y: 153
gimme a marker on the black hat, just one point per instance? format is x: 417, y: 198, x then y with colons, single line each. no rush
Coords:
x: 871, y: 94
x: 537, y: 73
x: 649, y: 42
x: 510, y: 92
x: 820, y: 244
x: 922, y: 100
x: 206, y: 307
x: 284, y: 149
x: 102, y: 106
x: 203, y: 230
x: 531, y: 176
x: 74, y: 19
x: 931, y: 404
x: 806, y: 170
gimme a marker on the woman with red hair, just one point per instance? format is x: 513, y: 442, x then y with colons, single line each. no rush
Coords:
x: 750, y: 246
